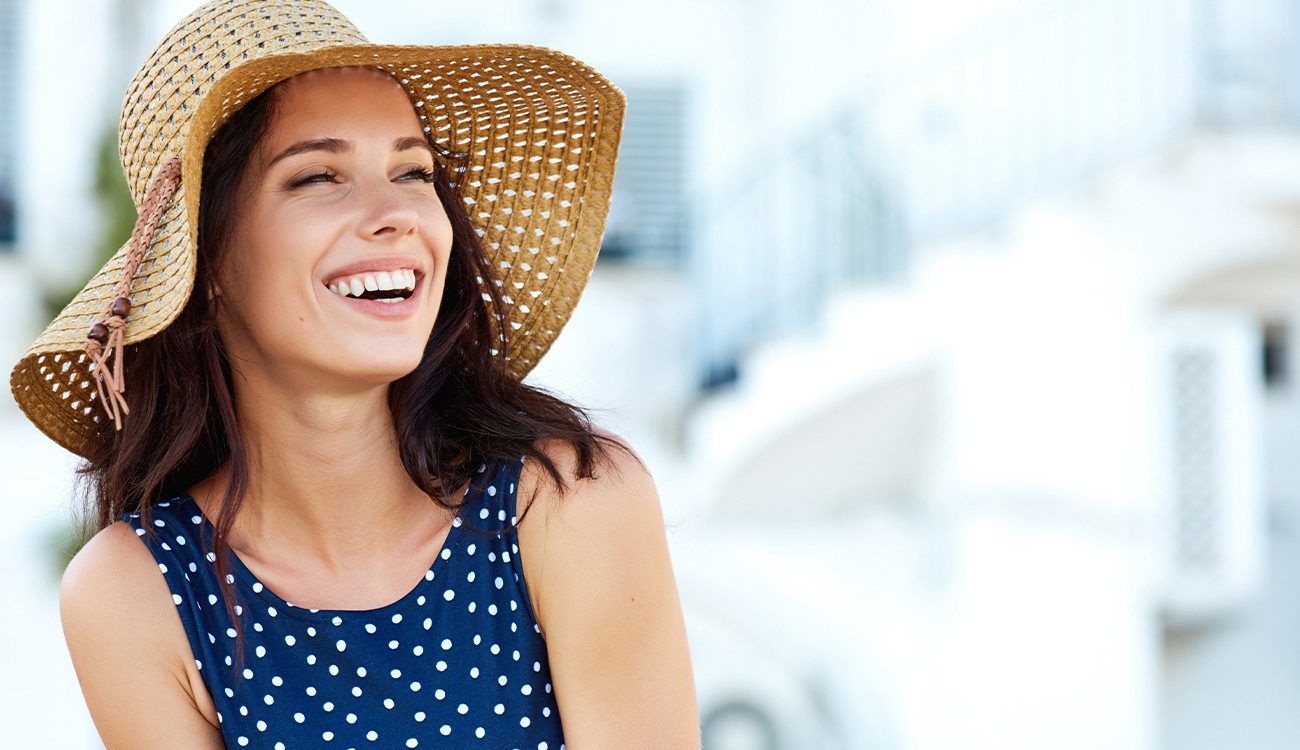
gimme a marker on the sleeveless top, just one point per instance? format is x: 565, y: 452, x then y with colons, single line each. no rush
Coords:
x: 458, y: 662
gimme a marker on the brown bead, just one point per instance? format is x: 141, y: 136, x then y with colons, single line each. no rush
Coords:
x: 121, y: 307
x: 98, y: 332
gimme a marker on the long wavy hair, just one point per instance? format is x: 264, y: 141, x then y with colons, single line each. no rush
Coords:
x: 457, y: 410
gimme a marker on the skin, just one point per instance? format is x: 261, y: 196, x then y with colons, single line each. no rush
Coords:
x: 311, y: 378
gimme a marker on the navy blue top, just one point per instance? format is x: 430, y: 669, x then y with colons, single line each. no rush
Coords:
x: 458, y: 662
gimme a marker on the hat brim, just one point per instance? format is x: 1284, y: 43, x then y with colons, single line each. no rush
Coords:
x: 541, y: 132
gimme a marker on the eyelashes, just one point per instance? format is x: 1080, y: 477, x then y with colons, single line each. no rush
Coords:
x: 421, y: 174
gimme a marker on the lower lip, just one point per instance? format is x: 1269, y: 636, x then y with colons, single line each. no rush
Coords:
x: 385, y: 310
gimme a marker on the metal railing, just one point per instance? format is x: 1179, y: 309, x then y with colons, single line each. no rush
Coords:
x: 1035, y: 100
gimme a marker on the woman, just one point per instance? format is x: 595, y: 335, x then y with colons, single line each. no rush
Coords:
x: 332, y: 406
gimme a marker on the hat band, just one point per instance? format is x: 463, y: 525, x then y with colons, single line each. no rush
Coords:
x: 107, y: 337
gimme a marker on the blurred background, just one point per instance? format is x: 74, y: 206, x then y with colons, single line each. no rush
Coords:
x: 960, y: 336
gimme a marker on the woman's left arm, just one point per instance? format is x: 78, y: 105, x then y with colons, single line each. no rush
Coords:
x: 608, y: 606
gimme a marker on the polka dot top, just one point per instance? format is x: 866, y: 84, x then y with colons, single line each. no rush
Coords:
x: 458, y: 662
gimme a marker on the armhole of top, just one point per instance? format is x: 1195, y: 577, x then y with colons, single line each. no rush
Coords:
x: 173, y: 574
x: 514, y: 479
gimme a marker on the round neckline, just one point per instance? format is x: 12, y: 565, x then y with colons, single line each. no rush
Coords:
x: 252, y: 586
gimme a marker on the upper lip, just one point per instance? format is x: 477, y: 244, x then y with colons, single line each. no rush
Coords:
x: 376, y: 264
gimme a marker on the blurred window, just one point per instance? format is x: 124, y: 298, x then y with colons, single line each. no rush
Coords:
x: 647, y: 220
x: 8, y: 123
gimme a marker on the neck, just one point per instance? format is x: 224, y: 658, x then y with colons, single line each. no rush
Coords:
x: 326, y: 482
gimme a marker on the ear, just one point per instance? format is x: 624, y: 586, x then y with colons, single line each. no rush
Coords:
x: 214, y: 291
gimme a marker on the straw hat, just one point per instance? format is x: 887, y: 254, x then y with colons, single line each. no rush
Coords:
x: 541, y: 130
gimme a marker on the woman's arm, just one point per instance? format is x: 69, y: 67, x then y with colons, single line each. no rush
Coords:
x: 125, y: 639
x: 607, y: 602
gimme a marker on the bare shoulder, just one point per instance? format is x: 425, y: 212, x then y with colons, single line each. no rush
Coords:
x: 599, y: 570
x: 617, y: 473
x: 129, y: 649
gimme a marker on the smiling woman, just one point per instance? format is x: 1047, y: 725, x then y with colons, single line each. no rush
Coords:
x: 309, y: 516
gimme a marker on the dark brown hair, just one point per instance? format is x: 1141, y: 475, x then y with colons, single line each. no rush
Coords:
x: 458, y: 409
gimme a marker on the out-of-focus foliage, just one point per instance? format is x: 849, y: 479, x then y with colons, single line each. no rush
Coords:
x: 118, y: 218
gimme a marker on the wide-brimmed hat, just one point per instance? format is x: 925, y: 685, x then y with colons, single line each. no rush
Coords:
x: 540, y: 130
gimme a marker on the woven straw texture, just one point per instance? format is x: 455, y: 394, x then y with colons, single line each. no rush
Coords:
x: 540, y: 128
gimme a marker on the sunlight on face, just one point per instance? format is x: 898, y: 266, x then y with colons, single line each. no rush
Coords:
x: 338, y: 190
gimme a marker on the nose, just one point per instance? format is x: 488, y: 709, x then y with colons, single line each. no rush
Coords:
x: 391, y: 211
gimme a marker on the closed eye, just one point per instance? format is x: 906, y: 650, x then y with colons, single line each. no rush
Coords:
x: 424, y: 175
x: 312, y: 178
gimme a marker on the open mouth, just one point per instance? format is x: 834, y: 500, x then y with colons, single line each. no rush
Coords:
x: 383, y: 286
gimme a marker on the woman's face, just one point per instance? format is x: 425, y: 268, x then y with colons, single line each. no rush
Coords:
x: 337, y: 214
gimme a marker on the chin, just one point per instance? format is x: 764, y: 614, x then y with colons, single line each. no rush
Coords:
x: 383, y: 366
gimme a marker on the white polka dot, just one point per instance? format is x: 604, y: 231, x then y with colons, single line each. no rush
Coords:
x: 261, y: 651
x: 419, y: 716
x: 412, y: 742
x: 327, y: 736
x: 388, y: 703
x: 418, y: 650
x: 397, y: 618
x: 337, y: 620
x: 524, y: 722
x: 277, y: 681
x: 415, y: 687
x: 449, y: 594
x: 329, y: 706
x: 499, y: 709
x: 177, y: 598
x: 372, y: 735
x: 269, y: 700
x: 445, y: 729
x: 243, y: 741
x: 290, y: 640
x: 352, y: 718
x: 370, y: 628
x: 356, y: 691
x: 396, y: 673
x: 479, y: 733
x: 299, y: 718
x: 446, y: 644
x: 462, y: 708
x: 311, y: 691
x: 342, y: 645
x: 361, y: 671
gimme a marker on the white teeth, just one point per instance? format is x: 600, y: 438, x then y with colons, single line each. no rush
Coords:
x: 355, y: 286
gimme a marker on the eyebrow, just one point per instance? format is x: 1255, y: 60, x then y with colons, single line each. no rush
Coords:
x: 340, y: 146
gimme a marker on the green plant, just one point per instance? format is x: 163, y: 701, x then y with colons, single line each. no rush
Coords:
x: 117, y: 212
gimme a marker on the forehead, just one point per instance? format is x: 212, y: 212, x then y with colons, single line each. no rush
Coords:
x: 343, y: 98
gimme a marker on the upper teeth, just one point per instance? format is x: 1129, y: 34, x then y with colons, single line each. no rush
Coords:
x: 354, y: 286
